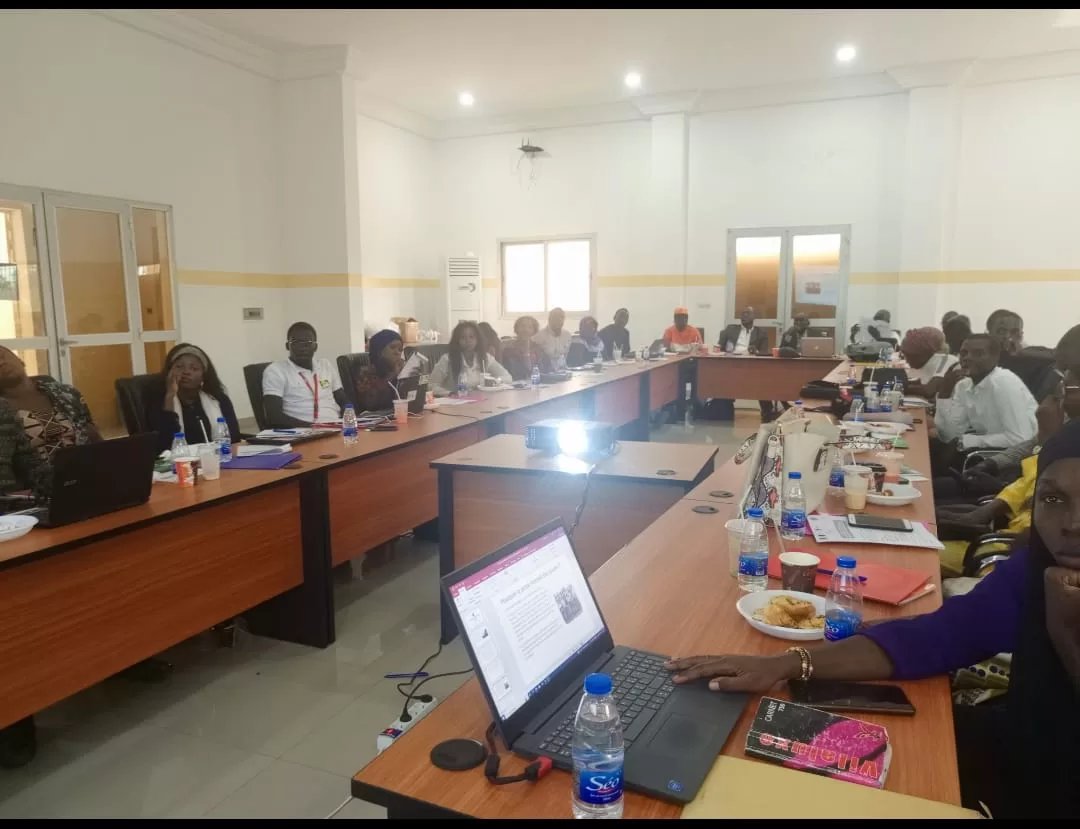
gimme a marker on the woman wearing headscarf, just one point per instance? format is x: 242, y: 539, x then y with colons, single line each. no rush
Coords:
x: 375, y: 384
x: 1019, y: 759
x: 190, y: 399
x: 928, y: 361
x: 586, y: 344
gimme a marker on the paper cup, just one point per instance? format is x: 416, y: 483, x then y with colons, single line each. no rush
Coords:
x: 798, y: 571
x: 401, y: 412
x: 734, y: 529
x: 892, y: 462
x: 776, y: 352
x: 856, y: 484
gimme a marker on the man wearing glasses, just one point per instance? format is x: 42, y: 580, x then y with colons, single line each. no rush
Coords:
x: 302, y: 390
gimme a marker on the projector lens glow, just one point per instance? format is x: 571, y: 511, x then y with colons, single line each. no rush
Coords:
x: 572, y: 439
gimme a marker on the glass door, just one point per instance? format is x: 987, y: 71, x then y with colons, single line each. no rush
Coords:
x: 25, y: 300
x: 781, y: 272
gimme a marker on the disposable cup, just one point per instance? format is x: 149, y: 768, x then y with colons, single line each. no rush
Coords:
x: 734, y: 529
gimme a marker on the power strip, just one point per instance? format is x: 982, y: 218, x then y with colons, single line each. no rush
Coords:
x: 417, y: 710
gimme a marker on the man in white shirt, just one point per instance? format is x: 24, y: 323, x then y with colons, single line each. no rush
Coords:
x: 990, y: 407
x: 302, y: 390
x: 553, y: 340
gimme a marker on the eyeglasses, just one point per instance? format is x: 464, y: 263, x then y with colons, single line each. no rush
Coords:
x: 303, y: 342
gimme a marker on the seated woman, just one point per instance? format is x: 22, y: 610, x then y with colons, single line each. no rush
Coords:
x: 928, y: 360
x: 465, y: 362
x: 1029, y: 606
x: 190, y: 399
x: 521, y: 354
x: 586, y: 344
x: 375, y: 385
x: 491, y: 340
x: 52, y: 414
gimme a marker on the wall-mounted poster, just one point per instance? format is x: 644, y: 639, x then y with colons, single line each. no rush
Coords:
x: 817, y: 285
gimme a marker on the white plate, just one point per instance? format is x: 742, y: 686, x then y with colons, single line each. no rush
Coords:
x: 755, y: 601
x: 16, y: 526
x: 904, y: 494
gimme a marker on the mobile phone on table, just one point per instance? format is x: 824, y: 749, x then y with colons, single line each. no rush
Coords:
x: 851, y: 696
x: 383, y: 427
x: 878, y: 522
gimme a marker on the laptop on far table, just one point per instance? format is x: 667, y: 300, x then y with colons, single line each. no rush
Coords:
x: 818, y: 347
x: 97, y: 478
x: 532, y: 672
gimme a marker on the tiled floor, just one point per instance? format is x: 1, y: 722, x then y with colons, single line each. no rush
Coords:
x: 265, y: 729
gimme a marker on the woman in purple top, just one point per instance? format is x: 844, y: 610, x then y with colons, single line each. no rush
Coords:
x: 1028, y: 606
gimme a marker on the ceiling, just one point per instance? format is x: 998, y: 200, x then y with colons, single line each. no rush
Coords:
x: 516, y: 61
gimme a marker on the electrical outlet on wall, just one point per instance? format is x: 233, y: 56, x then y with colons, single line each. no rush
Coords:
x: 253, y: 314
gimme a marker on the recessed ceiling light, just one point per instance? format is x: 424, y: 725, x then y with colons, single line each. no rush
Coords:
x: 845, y: 54
x: 633, y: 80
x: 466, y: 99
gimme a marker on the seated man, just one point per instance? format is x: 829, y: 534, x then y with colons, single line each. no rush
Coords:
x: 990, y: 407
x: 616, y: 335
x: 928, y: 361
x: 585, y: 345
x: 302, y: 390
x: 746, y: 338
x: 1032, y: 364
x: 791, y: 342
x: 553, y: 341
x: 681, y: 333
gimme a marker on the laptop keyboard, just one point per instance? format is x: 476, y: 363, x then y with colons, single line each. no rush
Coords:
x: 641, y: 686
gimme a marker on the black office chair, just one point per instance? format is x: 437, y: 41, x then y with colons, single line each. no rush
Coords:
x: 132, y: 394
x: 253, y: 379
x: 349, y: 367
x: 433, y: 351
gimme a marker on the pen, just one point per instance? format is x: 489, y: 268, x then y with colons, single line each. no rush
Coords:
x: 414, y: 675
x: 824, y: 572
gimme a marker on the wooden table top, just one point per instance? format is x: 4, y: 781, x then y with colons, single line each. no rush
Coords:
x: 634, y: 460
x: 166, y: 499
x: 827, y: 362
x: 669, y: 591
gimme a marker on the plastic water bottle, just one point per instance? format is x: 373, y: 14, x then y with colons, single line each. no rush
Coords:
x: 534, y: 377
x: 223, y: 439
x: 836, y: 474
x: 885, y: 399
x: 349, y: 430
x: 597, y: 753
x: 462, y: 384
x: 180, y: 446
x: 800, y: 413
x: 843, y: 602
x: 754, y: 553
x: 872, y: 399
x: 793, y: 509
x: 858, y: 408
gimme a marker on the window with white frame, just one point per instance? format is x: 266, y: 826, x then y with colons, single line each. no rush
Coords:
x: 541, y: 274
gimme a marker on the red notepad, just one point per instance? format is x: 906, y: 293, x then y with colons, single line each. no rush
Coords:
x: 884, y: 583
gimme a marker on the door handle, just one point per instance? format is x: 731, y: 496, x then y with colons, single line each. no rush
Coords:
x: 63, y: 342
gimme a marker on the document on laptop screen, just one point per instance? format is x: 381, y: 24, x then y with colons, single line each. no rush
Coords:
x: 525, y: 616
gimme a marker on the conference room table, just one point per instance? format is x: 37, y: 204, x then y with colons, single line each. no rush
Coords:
x: 670, y: 591
x: 744, y: 377
x: 81, y: 602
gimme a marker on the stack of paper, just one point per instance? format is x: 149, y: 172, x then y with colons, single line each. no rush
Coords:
x: 835, y: 529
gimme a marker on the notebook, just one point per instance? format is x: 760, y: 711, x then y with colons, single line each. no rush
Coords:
x: 884, y: 582
x: 739, y: 788
x: 275, y: 461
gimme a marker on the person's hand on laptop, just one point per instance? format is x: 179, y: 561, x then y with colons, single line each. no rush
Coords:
x: 736, y: 672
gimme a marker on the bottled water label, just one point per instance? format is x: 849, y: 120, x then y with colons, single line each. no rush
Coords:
x: 753, y: 565
x: 794, y: 520
x: 840, y: 625
x: 600, y: 787
x: 836, y: 477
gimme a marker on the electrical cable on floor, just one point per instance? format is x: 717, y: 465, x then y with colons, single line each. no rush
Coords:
x: 581, y: 506
x: 405, y: 715
x: 339, y: 808
x: 415, y: 677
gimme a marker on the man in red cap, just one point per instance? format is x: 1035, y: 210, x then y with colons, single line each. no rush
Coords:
x: 681, y: 333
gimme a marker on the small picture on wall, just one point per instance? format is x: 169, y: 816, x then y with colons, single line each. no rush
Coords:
x: 9, y: 282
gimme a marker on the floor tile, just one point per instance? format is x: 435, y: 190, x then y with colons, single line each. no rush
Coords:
x: 360, y: 809
x: 285, y: 790
x: 145, y: 772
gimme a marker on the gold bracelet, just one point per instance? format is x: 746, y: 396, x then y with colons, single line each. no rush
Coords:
x: 806, y: 665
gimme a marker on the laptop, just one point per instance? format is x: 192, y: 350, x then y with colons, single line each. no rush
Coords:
x: 818, y: 347
x: 657, y: 349
x: 533, y: 631
x: 98, y: 478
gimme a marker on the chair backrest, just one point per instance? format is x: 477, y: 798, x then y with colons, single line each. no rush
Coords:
x: 433, y: 351
x: 132, y: 394
x: 1035, y: 366
x: 349, y: 367
x: 253, y: 378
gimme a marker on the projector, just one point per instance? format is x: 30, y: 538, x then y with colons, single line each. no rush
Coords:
x: 570, y: 437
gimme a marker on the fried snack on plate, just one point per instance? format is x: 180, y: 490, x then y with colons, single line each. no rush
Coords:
x: 789, y: 612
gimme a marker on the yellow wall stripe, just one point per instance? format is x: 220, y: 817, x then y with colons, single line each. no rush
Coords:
x: 235, y: 279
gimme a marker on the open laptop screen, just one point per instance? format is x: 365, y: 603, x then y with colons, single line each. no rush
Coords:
x: 526, y: 615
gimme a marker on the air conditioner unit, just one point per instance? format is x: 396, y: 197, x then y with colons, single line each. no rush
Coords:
x: 464, y: 293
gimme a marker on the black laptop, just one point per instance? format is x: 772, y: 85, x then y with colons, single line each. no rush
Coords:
x: 533, y: 631
x: 97, y: 478
x: 413, y: 389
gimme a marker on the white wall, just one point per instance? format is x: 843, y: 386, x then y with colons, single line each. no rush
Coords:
x: 95, y: 107
x: 398, y: 221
